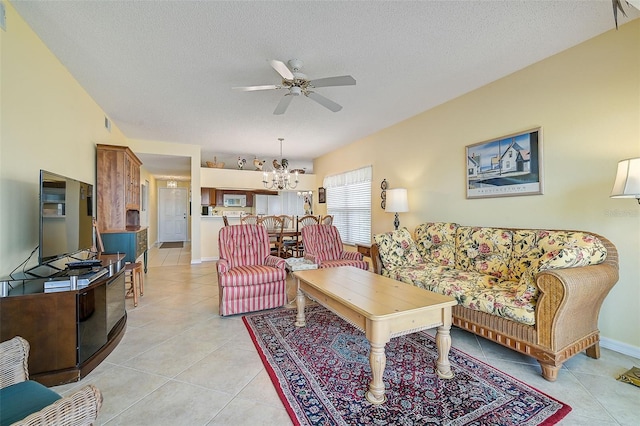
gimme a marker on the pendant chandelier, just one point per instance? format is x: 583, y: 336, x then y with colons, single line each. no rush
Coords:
x: 280, y: 179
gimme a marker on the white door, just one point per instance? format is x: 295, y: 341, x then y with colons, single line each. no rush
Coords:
x: 172, y: 214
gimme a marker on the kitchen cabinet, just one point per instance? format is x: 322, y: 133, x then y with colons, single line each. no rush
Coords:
x: 117, y: 188
x: 208, y: 197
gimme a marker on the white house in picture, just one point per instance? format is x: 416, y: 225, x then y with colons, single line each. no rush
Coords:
x: 515, y: 159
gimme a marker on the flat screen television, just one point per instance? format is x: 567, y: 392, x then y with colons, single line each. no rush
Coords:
x: 66, y: 216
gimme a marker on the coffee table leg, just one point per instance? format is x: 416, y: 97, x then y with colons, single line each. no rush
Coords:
x: 378, y: 361
x: 443, y: 343
x: 300, y: 300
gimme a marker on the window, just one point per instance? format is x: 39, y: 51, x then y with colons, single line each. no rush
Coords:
x: 349, y: 201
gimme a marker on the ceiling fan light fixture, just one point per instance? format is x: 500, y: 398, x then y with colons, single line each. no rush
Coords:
x: 295, y: 91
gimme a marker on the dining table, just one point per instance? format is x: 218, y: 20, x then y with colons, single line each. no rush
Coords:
x: 290, y: 233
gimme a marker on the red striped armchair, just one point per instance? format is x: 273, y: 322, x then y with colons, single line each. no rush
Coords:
x: 323, y: 246
x: 249, y: 278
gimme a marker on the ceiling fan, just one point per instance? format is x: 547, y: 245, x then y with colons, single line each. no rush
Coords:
x: 296, y: 84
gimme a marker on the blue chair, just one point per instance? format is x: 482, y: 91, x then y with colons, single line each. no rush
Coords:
x: 25, y: 402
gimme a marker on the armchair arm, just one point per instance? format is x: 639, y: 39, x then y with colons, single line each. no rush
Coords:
x: 312, y: 258
x: 79, y: 408
x: 275, y: 261
x: 14, y: 354
x: 351, y: 255
x: 570, y: 301
x: 223, y: 266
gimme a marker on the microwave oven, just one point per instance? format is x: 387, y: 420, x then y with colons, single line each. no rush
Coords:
x: 234, y: 200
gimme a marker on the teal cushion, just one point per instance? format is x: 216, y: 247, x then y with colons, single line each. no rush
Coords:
x: 24, y: 398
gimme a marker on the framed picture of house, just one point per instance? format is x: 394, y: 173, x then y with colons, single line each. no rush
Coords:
x: 507, y: 166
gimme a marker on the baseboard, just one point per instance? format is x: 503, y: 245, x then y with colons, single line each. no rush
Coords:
x: 620, y: 347
x: 209, y: 259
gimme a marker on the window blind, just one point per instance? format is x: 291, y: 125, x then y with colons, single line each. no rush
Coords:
x: 349, y: 201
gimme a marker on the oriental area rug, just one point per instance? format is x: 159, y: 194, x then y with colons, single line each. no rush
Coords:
x: 321, y: 372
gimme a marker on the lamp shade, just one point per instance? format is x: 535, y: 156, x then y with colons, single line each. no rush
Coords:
x: 627, y: 184
x: 397, y: 201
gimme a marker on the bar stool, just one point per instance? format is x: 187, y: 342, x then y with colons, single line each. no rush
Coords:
x: 133, y: 271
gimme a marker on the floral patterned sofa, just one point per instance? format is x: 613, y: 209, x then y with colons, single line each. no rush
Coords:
x: 535, y: 291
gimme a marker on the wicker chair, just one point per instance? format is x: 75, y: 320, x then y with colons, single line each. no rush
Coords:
x: 249, y: 278
x: 251, y: 219
x: 327, y: 220
x: 25, y: 402
x: 274, y: 225
x: 323, y: 246
x: 294, y: 246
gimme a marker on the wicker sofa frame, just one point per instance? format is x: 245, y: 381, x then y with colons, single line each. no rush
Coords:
x: 566, y: 316
x: 78, y: 409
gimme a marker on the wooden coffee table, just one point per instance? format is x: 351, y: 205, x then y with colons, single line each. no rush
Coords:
x: 380, y: 307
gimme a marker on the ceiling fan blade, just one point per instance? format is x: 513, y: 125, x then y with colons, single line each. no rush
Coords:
x: 327, y: 103
x: 252, y: 88
x: 343, y: 80
x: 281, y: 69
x: 283, y: 104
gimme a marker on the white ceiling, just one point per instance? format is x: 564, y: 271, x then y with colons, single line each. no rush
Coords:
x: 163, y: 70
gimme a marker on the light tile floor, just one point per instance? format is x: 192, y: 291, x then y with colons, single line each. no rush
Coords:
x: 180, y: 363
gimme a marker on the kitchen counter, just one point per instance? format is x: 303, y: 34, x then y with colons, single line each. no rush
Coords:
x: 209, y: 228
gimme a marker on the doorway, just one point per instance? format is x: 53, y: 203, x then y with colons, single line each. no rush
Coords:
x: 172, y: 214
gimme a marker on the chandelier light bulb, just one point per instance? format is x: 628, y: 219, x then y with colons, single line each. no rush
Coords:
x: 280, y: 178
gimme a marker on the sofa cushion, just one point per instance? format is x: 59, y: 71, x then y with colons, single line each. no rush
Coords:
x: 397, y: 248
x: 529, y: 245
x: 436, y: 242
x: 568, y: 257
x: 471, y: 289
x: 252, y: 275
x: 21, y: 399
x: 484, y: 250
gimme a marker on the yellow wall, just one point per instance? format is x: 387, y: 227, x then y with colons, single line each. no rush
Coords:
x: 48, y: 122
x: 587, y: 100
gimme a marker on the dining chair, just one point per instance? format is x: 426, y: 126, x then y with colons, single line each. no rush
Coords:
x: 249, y: 220
x: 274, y: 225
x: 225, y: 220
x: 307, y: 220
x: 327, y: 220
x: 288, y: 221
x: 297, y: 247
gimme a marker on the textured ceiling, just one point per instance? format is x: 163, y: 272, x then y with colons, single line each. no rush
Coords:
x: 163, y: 70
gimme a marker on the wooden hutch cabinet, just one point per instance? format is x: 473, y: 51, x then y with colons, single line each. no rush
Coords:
x: 118, y: 205
x: 118, y: 188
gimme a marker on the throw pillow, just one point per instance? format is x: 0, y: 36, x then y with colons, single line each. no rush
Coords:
x: 436, y: 242
x: 569, y: 257
x: 397, y: 249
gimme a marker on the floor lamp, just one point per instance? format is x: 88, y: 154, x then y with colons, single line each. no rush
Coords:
x: 627, y: 185
x: 397, y: 203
